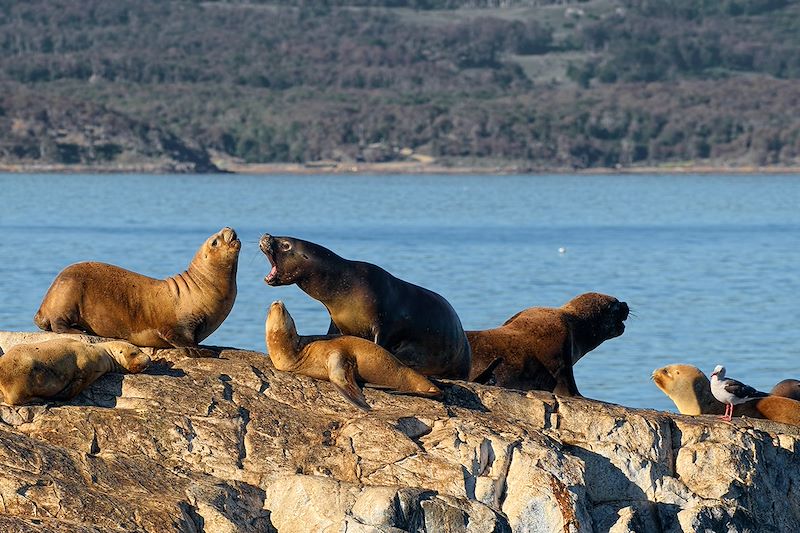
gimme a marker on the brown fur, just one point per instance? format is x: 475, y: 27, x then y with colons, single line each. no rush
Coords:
x: 59, y: 369
x: 343, y: 360
x: 539, y: 346
x: 690, y: 389
x: 179, y: 311
x: 788, y: 388
x: 418, y: 326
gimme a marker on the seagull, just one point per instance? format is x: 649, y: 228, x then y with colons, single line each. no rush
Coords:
x: 731, y: 392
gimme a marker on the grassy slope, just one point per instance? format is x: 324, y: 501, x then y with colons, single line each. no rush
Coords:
x: 269, y: 83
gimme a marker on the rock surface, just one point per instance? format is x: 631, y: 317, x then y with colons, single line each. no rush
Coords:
x: 229, y: 444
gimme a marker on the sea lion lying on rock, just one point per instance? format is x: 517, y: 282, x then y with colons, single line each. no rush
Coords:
x: 59, y: 369
x: 343, y: 360
x: 690, y: 389
x: 418, y: 326
x: 177, y: 312
x: 537, y: 347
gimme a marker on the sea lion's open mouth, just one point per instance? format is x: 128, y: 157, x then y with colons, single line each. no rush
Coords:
x: 265, y: 243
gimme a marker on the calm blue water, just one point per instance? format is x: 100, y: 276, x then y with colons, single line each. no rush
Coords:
x: 707, y: 263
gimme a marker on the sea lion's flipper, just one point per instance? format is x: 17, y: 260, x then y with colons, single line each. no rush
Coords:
x: 561, y: 370
x: 488, y: 373
x: 342, y: 374
x: 63, y: 325
x: 182, y: 340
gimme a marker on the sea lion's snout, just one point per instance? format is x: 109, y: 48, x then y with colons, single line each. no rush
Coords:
x: 229, y: 237
x: 265, y: 243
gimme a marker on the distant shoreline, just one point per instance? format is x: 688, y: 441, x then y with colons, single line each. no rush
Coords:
x: 402, y: 168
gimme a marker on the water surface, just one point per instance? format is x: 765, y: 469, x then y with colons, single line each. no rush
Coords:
x: 707, y: 263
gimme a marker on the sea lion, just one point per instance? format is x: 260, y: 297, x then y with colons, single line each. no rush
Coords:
x: 59, y: 369
x: 177, y: 312
x: 343, y: 360
x: 689, y: 388
x: 788, y: 388
x: 537, y: 347
x: 418, y: 326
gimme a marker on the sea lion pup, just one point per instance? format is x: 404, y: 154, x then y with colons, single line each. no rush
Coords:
x: 177, y: 312
x: 788, y: 388
x: 343, y: 360
x: 418, y: 326
x: 537, y: 347
x: 59, y: 369
x: 690, y: 389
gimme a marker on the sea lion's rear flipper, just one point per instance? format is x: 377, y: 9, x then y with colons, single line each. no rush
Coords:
x: 342, y: 374
x: 488, y: 373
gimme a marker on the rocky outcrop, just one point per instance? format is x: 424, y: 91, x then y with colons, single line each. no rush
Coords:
x: 57, y: 133
x: 229, y: 444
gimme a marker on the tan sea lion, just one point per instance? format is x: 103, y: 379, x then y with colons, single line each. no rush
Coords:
x: 418, y: 326
x: 179, y: 311
x: 690, y: 389
x: 343, y: 360
x: 537, y: 347
x: 59, y: 369
x: 788, y: 388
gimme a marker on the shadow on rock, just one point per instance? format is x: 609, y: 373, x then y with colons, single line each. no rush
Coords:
x: 455, y: 395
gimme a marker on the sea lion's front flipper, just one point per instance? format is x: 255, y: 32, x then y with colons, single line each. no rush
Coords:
x: 342, y: 374
x: 181, y: 339
x: 487, y: 374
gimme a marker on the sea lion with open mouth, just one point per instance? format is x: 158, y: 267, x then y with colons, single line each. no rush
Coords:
x: 343, y: 360
x: 177, y: 312
x: 416, y: 325
x: 536, y: 348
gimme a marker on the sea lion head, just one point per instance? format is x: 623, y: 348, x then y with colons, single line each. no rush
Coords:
x: 608, y: 312
x: 130, y: 357
x: 788, y: 388
x: 279, y: 318
x: 291, y: 259
x: 220, y: 250
x: 686, y: 385
x: 281, y: 333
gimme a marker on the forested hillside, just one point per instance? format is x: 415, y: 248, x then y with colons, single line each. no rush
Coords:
x: 531, y: 84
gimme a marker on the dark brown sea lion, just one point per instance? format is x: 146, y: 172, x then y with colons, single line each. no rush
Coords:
x: 416, y: 325
x: 59, y: 369
x: 788, y: 388
x: 537, y: 347
x: 179, y: 311
x: 343, y: 360
x: 689, y: 388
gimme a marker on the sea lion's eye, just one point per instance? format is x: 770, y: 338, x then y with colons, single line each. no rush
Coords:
x: 286, y: 246
x: 214, y: 242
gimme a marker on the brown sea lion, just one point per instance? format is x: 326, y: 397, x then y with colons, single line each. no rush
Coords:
x: 343, y: 360
x: 788, y: 388
x: 59, y: 369
x: 537, y: 347
x: 689, y: 388
x: 416, y: 325
x: 179, y: 311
